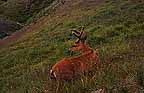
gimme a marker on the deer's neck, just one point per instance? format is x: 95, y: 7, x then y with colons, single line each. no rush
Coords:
x: 86, y: 49
x: 88, y: 53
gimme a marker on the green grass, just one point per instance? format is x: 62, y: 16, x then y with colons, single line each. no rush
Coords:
x: 21, y: 11
x: 115, y: 27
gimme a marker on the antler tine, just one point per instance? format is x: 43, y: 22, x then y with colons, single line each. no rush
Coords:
x: 80, y: 34
x: 76, y: 33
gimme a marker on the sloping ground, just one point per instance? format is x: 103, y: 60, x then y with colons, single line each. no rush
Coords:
x: 7, y: 27
x: 37, y: 24
x: 22, y: 10
x: 17, y: 35
x: 115, y: 27
x: 1, y: 2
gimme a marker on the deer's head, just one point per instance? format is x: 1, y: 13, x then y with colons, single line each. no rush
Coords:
x: 80, y: 34
x: 79, y: 44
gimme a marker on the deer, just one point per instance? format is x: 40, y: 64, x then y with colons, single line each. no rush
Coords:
x: 73, y: 67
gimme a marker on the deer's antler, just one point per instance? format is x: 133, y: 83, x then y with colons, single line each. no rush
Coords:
x: 76, y: 33
x: 81, y: 35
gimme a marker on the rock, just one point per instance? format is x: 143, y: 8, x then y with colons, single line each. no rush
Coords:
x: 7, y: 27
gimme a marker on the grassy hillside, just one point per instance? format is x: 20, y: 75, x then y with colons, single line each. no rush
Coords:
x: 115, y: 27
x: 22, y: 10
x: 1, y: 2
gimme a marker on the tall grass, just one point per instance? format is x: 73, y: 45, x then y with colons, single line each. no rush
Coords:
x: 115, y: 27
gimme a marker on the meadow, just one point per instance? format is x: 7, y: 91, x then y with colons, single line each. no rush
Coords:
x: 115, y: 27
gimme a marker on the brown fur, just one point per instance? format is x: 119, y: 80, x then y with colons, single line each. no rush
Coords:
x: 72, y: 67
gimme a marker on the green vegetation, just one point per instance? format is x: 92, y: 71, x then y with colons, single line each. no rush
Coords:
x: 115, y: 27
x: 22, y: 10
